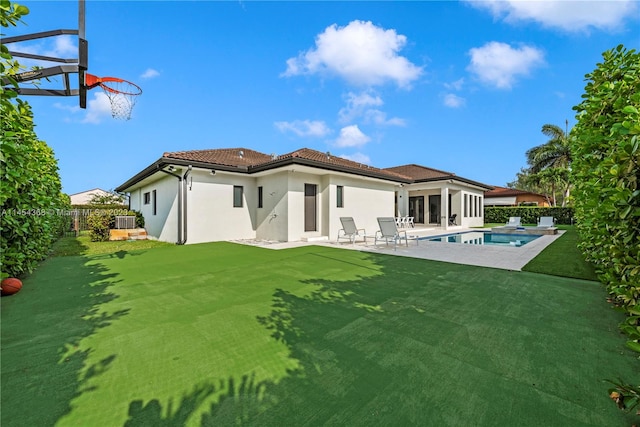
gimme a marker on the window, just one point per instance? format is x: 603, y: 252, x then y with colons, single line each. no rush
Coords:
x: 259, y: 197
x: 237, y: 196
x: 466, y: 205
x: 155, y: 205
x: 147, y: 198
x: 340, y: 196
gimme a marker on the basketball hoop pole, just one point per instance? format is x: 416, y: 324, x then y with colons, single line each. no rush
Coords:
x: 83, y: 55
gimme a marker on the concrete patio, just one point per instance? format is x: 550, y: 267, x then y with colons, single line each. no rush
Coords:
x: 503, y: 257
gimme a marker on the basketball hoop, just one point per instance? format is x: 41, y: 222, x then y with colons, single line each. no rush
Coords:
x: 122, y: 94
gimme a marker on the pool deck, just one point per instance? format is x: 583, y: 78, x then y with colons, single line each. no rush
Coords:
x: 503, y: 257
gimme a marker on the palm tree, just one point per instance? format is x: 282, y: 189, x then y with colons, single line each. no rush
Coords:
x: 553, y: 154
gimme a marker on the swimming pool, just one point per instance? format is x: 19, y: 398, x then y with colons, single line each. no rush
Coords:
x: 484, y: 238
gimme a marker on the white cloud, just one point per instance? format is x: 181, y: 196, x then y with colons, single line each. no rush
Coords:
x: 351, y: 136
x: 453, y: 101
x: 498, y: 64
x: 357, y: 157
x: 312, y: 128
x: 150, y: 73
x: 63, y: 47
x: 97, y: 108
x: 358, y: 107
x: 360, y: 53
x: 457, y: 85
x: 70, y: 108
x: 563, y: 14
x: 380, y: 118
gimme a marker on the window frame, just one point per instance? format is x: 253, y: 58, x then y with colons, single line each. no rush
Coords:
x: 238, y: 195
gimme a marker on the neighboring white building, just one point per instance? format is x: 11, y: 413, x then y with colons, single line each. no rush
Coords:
x: 84, y: 197
x: 238, y: 193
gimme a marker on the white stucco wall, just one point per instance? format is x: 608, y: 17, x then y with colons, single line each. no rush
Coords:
x: 211, y: 216
x: 364, y: 200
x: 272, y: 217
x: 164, y: 224
x: 295, y: 212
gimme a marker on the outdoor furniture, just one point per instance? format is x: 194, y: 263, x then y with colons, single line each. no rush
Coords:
x: 514, y: 221
x: 350, y: 231
x: 409, y: 222
x: 389, y: 231
x: 452, y: 219
x: 546, y: 222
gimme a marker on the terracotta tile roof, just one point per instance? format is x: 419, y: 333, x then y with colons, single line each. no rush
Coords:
x: 417, y: 172
x: 243, y: 157
x: 222, y: 156
x: 507, y: 192
x: 245, y: 160
x: 330, y: 159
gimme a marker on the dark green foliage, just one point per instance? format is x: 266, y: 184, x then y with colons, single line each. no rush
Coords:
x: 606, y: 167
x: 99, y: 225
x: 31, y: 201
x: 528, y: 214
x: 100, y: 221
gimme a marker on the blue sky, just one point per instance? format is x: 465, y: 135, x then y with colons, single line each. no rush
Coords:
x: 459, y: 86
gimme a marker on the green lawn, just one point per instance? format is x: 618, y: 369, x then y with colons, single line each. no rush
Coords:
x: 223, y: 334
x: 82, y: 245
x: 562, y: 258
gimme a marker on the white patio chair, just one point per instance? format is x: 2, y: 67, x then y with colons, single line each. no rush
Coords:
x: 350, y: 231
x: 389, y: 231
x: 410, y: 222
x: 514, y: 221
x: 546, y: 222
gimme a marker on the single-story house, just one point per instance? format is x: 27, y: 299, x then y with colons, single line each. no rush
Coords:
x: 84, y: 197
x: 502, y: 196
x: 238, y: 193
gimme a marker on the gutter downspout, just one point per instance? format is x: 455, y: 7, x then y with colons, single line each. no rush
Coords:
x: 184, y: 205
x: 180, y: 190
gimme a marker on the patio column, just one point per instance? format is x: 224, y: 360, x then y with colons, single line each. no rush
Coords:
x: 403, y: 202
x: 444, y: 207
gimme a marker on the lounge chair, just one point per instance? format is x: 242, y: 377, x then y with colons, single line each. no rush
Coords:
x: 350, y: 231
x: 514, y: 221
x: 389, y: 231
x: 452, y: 219
x: 546, y: 222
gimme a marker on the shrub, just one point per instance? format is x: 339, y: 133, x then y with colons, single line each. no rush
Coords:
x: 100, y: 221
x: 606, y: 171
x: 30, y: 190
x: 528, y: 214
x: 99, y: 226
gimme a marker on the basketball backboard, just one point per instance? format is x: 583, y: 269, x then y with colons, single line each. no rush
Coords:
x: 67, y: 68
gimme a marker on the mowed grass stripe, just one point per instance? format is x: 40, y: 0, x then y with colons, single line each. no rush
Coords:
x: 224, y: 334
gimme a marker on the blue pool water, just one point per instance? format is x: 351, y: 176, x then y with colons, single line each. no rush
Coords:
x: 485, y: 238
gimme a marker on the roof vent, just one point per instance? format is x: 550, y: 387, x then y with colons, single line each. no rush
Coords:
x: 241, y: 153
x: 273, y: 156
x: 328, y: 155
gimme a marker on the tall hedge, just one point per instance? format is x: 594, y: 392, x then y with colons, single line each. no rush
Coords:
x: 606, y: 173
x: 31, y: 200
x: 528, y: 214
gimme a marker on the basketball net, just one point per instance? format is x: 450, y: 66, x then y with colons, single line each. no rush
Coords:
x: 121, y: 94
